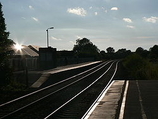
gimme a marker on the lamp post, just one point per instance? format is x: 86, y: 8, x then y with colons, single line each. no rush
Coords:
x: 48, y: 36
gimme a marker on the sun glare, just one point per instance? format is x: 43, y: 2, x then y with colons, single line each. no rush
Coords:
x: 18, y: 46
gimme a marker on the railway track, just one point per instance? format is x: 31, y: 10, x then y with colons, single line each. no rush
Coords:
x: 68, y: 98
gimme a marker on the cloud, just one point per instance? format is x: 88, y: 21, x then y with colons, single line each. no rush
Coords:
x: 144, y: 37
x: 55, y: 38
x: 30, y: 7
x: 114, y: 8
x: 127, y: 20
x: 151, y: 19
x: 78, y: 11
x: 129, y: 26
x: 35, y: 19
x: 96, y: 13
x: 90, y: 7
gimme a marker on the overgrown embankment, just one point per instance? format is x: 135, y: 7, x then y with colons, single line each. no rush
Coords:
x: 141, y: 68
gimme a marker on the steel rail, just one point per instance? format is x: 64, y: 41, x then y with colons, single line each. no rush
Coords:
x: 54, y: 92
x: 92, y: 107
x: 47, y: 117
x: 42, y: 89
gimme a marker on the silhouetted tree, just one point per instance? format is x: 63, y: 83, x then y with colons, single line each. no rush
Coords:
x: 142, y: 52
x: 85, y: 48
x: 103, y: 54
x: 110, y: 50
x: 122, y: 53
x: 154, y: 52
x: 110, y: 53
x: 5, y: 51
x: 139, y: 50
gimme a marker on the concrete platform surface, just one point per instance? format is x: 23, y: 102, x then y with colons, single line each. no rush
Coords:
x: 139, y: 102
x: 142, y: 100
x: 46, y: 73
x: 107, y: 107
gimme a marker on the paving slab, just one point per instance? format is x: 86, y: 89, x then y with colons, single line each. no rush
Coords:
x: 107, y: 107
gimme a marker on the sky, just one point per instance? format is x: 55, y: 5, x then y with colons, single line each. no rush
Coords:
x: 106, y: 23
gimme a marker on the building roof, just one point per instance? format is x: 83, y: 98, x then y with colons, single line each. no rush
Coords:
x: 27, y: 50
x: 34, y: 48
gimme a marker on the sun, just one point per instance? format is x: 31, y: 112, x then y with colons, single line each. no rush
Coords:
x: 18, y: 47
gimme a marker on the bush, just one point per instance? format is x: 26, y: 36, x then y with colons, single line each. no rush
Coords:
x: 134, y: 63
x: 151, y: 71
x: 141, y: 68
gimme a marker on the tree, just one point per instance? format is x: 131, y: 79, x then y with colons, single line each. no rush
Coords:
x: 154, y: 52
x: 139, y: 50
x: 103, y: 54
x: 5, y: 51
x: 122, y: 53
x: 110, y: 50
x: 85, y: 48
x: 142, y: 52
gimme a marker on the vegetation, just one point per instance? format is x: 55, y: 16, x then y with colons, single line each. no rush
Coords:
x: 143, y: 64
x: 5, y: 52
x: 85, y: 48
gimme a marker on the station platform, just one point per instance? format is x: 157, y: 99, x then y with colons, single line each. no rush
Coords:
x: 142, y: 100
x: 46, y: 73
x: 107, y: 106
x: 130, y: 99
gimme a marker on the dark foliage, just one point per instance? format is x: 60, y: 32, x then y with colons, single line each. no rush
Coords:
x: 85, y: 48
x: 142, y: 52
x: 154, y: 52
x: 5, y: 52
x: 110, y: 50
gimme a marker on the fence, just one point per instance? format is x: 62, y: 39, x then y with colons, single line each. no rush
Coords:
x: 33, y: 63
x: 22, y: 63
